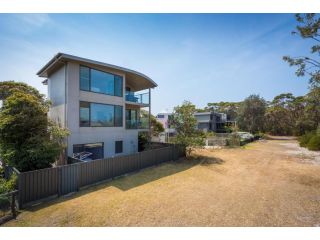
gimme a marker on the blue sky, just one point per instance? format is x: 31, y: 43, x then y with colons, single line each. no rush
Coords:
x: 197, y: 57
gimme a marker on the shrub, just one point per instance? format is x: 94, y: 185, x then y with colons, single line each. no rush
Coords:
x: 314, y: 143
x: 234, y: 140
x: 259, y: 135
x: 8, y: 185
x: 304, y: 139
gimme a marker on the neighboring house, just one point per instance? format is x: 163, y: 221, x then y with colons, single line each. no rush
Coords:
x: 164, y: 119
x: 212, y: 121
x: 99, y: 103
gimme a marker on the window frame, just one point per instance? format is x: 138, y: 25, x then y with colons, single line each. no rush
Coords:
x: 73, y: 145
x: 90, y: 90
x: 115, y: 146
x: 114, y: 114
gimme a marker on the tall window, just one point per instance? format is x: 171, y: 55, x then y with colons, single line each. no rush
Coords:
x: 100, y: 115
x: 101, y: 82
x: 84, y: 114
x: 118, y: 147
x: 118, y: 116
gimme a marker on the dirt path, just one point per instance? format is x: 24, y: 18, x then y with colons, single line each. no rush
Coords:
x: 267, y: 183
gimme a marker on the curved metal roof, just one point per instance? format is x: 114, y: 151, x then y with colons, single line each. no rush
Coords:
x: 61, y: 58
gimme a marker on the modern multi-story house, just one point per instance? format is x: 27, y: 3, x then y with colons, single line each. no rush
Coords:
x: 212, y: 121
x: 101, y: 104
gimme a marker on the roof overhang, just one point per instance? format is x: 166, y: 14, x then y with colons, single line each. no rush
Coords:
x: 138, y: 80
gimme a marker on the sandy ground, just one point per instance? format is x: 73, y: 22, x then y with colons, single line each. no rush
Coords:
x: 266, y: 183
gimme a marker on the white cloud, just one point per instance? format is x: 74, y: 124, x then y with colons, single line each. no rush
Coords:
x: 34, y: 20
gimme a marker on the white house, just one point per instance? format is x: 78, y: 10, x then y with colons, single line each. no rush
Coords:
x: 101, y: 104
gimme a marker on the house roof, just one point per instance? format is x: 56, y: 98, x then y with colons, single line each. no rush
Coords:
x: 139, y: 79
x: 202, y: 113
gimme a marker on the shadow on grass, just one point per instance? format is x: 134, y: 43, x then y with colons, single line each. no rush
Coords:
x: 136, y: 179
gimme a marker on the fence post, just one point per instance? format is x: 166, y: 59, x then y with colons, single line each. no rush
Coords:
x: 59, y: 182
x: 13, y: 205
x: 172, y: 152
x: 139, y: 161
x: 79, y: 176
x: 20, y: 189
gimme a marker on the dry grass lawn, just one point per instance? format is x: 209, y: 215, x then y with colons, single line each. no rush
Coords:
x: 262, y: 184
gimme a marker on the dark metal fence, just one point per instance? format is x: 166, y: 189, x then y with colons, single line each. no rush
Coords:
x: 53, y: 182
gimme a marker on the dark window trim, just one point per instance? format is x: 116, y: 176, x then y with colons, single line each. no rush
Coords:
x: 114, y: 87
x: 90, y: 143
x: 114, y: 114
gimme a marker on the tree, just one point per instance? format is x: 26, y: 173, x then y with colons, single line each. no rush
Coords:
x: 156, y: 126
x: 28, y: 140
x: 229, y: 108
x: 312, y: 108
x: 184, y: 122
x: 7, y: 88
x: 251, y: 114
x: 308, y: 28
x: 283, y: 114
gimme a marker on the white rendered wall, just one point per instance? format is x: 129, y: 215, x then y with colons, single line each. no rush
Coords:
x: 107, y: 135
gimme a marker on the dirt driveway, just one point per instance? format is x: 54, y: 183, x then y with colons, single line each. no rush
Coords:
x: 267, y: 183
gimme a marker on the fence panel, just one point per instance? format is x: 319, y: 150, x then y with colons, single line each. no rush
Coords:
x: 69, y: 178
x: 37, y: 185
x: 147, y: 159
x: 40, y: 184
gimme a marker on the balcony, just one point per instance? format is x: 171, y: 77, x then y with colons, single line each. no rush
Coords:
x: 139, y: 98
x: 142, y: 123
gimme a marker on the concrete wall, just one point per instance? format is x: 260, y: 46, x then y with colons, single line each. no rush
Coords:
x: 57, y: 95
x: 107, y: 135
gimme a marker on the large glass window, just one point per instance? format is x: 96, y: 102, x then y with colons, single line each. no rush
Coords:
x: 118, y: 116
x: 100, y: 82
x: 84, y: 78
x: 118, y: 86
x: 84, y: 114
x: 100, y: 115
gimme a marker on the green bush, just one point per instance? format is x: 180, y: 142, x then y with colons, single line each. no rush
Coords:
x: 259, y: 135
x: 314, y: 143
x: 8, y: 185
x: 304, y: 139
x: 234, y: 140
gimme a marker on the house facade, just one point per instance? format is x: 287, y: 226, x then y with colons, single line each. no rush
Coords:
x: 104, y: 106
x: 212, y: 121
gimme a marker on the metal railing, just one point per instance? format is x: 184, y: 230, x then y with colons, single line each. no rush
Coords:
x: 142, y: 98
x: 142, y: 123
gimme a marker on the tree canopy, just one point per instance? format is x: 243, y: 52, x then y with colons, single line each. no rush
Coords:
x: 184, y: 121
x: 308, y: 28
x: 28, y: 140
x: 251, y: 114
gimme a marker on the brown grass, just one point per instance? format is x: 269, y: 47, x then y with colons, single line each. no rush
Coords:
x: 260, y: 185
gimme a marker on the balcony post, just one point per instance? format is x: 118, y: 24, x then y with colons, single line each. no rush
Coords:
x: 150, y: 114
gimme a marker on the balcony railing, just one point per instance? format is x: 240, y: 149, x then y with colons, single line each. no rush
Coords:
x: 142, y: 123
x: 141, y: 98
